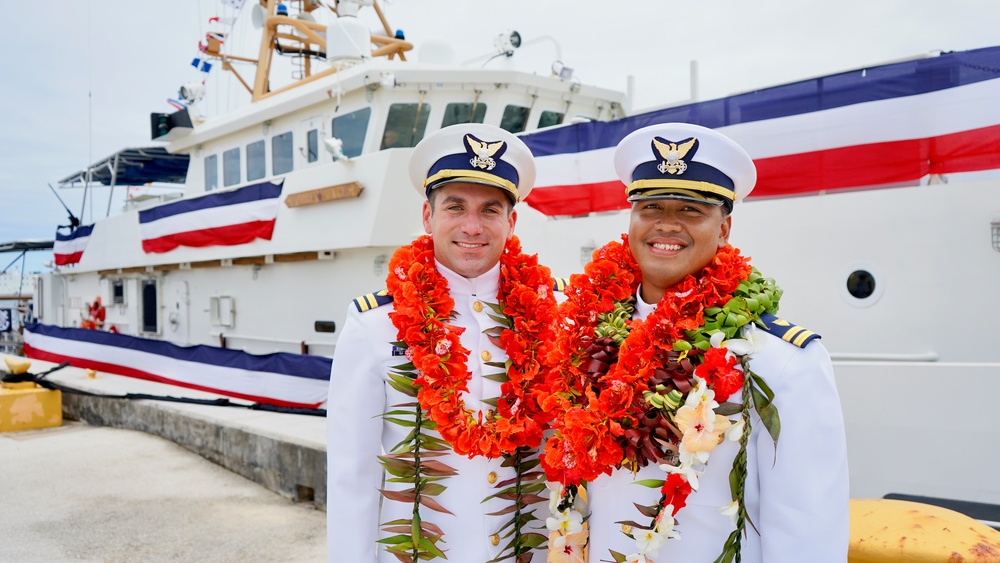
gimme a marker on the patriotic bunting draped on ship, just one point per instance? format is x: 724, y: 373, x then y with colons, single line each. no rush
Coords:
x: 68, y: 248
x: 222, y: 219
x: 877, y: 127
x: 281, y: 379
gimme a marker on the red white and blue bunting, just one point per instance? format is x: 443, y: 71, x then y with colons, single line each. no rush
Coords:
x: 877, y: 127
x: 280, y: 379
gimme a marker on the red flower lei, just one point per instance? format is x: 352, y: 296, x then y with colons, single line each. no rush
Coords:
x: 591, y: 416
x: 423, y: 313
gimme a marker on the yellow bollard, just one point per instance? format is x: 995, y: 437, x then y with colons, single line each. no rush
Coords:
x: 895, y: 530
x: 16, y: 365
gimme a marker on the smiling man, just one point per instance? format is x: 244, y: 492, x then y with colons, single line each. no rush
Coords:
x: 431, y: 424
x: 718, y: 420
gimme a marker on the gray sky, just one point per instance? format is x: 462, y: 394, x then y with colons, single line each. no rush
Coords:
x: 80, y: 77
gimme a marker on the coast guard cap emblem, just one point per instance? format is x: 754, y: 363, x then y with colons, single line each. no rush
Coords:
x: 459, y: 153
x: 484, y: 152
x: 673, y: 154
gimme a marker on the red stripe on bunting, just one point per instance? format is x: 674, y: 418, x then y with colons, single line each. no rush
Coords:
x: 216, y: 236
x: 66, y: 259
x: 83, y: 363
x: 876, y: 164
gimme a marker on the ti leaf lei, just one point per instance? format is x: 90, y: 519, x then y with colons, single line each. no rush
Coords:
x: 437, y: 375
x: 628, y: 393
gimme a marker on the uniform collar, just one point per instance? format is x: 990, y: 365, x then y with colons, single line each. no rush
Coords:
x: 642, y: 309
x: 486, y: 285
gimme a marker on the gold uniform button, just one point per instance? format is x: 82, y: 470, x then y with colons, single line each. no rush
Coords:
x: 477, y: 307
x: 495, y: 539
x: 486, y: 355
x: 626, y: 529
x: 490, y: 413
x: 492, y: 477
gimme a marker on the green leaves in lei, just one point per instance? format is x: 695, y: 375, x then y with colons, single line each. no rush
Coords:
x: 754, y: 296
x: 423, y: 311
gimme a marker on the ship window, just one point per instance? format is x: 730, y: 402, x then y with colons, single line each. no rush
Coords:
x: 861, y: 284
x: 231, y: 167
x: 463, y: 113
x: 405, y: 125
x: 514, y: 118
x: 256, y: 161
x: 211, y: 172
x: 312, y: 145
x: 281, y: 153
x: 117, y: 292
x: 149, y: 306
x: 549, y: 118
x: 351, y: 129
x: 325, y: 326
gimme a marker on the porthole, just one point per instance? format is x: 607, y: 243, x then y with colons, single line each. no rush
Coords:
x: 862, y: 286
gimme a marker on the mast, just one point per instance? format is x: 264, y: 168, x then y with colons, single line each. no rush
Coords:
x: 299, y: 37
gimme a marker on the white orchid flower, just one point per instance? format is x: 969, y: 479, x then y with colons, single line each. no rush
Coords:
x: 567, y: 522
x: 731, y: 510
x: 555, y: 495
x: 635, y: 558
x: 687, y: 471
x: 648, y: 542
x: 736, y: 430
x: 750, y: 344
x: 701, y: 394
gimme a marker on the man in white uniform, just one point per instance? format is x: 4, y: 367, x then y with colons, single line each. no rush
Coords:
x: 795, y: 494
x: 472, y: 175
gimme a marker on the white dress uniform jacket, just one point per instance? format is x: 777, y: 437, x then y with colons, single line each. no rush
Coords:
x: 797, y: 496
x: 357, y: 434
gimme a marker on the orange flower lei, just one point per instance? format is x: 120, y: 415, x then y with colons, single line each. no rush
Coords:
x: 592, y: 415
x: 423, y: 313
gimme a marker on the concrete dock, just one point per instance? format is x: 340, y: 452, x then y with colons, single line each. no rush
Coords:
x: 134, y: 480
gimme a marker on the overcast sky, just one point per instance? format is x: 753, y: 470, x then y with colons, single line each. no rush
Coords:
x: 80, y: 77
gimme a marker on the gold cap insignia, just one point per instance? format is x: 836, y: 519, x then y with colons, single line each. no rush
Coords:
x: 483, y: 152
x: 673, y: 154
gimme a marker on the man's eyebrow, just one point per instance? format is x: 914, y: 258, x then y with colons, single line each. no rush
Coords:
x: 453, y: 199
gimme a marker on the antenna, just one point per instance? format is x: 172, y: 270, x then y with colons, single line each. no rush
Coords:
x: 73, y: 221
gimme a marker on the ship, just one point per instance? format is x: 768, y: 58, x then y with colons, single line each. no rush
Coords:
x: 877, y: 210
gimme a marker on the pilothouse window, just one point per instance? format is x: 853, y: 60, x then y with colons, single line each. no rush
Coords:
x: 405, y: 125
x: 211, y: 172
x: 256, y: 161
x: 351, y: 129
x: 231, y: 167
x: 463, y: 113
x: 514, y: 119
x: 281, y: 153
x: 549, y: 118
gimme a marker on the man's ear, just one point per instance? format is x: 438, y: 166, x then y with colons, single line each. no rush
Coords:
x: 427, y: 212
x: 513, y: 221
x: 727, y: 224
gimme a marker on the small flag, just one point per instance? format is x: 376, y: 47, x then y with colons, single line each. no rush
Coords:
x: 201, y: 65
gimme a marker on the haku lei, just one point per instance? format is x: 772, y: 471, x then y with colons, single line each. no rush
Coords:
x: 437, y: 375
x: 629, y: 393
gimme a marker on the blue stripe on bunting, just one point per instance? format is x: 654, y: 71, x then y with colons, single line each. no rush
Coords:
x: 79, y: 232
x: 910, y: 78
x: 296, y: 365
x: 254, y: 192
